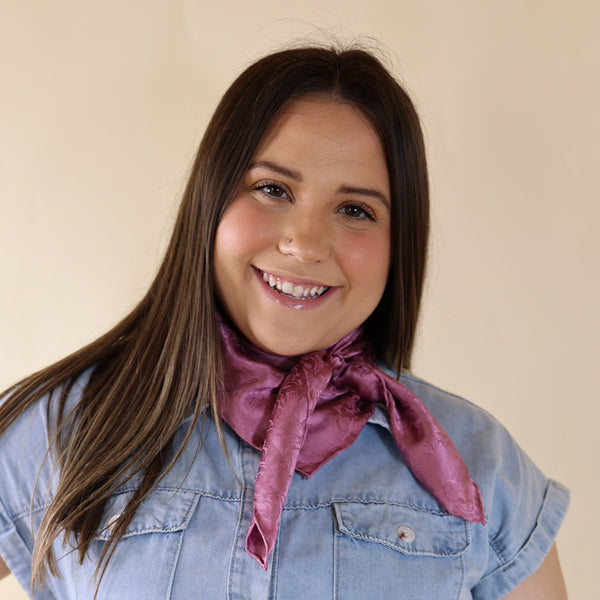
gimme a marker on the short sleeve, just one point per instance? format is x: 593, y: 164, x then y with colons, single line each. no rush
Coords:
x: 24, y: 477
x: 14, y: 549
x: 525, y: 513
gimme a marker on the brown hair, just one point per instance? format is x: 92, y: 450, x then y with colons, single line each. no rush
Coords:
x: 161, y: 363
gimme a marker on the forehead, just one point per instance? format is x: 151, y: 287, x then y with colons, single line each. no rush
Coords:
x: 307, y: 110
x: 324, y: 133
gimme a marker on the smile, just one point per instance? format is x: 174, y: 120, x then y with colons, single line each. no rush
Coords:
x: 294, y: 290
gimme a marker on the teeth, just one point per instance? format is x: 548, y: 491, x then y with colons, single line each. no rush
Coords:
x: 297, y: 291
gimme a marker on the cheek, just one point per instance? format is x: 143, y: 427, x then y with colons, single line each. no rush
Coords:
x: 244, y: 229
x: 366, y: 262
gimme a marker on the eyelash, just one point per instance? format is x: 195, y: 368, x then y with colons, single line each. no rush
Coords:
x: 367, y: 212
x: 263, y: 185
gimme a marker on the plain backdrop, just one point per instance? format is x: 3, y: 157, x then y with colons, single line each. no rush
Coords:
x: 102, y: 105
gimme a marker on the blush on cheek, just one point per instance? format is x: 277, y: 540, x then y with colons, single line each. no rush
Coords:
x: 244, y: 225
x: 233, y: 232
x: 366, y: 258
x: 227, y: 237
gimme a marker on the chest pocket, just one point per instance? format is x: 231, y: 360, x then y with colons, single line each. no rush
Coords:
x: 385, y: 550
x: 163, y: 511
x: 145, y: 558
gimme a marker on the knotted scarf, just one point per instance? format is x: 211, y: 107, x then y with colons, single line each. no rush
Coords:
x: 303, y: 412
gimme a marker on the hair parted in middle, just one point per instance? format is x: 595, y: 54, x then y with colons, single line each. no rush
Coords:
x: 353, y: 76
x: 161, y: 363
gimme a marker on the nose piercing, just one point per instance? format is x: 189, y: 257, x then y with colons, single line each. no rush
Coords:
x: 288, y: 240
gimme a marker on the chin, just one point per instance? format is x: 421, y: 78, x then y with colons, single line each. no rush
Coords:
x: 282, y: 347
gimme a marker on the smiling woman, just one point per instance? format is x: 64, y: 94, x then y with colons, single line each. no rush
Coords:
x: 308, y: 230
x: 251, y: 429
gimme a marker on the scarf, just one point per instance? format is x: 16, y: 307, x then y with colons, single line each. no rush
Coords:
x: 302, y: 412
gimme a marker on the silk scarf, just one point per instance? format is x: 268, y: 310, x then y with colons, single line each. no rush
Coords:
x: 302, y: 412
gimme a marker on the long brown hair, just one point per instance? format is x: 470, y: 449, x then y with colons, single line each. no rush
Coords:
x: 161, y: 363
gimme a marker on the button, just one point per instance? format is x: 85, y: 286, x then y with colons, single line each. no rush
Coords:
x: 405, y: 533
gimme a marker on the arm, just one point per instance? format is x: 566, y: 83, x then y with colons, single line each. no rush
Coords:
x: 3, y: 569
x: 545, y: 584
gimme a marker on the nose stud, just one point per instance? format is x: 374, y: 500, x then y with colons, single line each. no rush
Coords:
x: 305, y: 248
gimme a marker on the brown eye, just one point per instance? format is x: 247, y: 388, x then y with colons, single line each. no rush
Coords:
x: 274, y: 191
x: 357, y: 211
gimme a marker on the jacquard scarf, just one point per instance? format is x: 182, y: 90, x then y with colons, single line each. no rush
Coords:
x: 302, y: 412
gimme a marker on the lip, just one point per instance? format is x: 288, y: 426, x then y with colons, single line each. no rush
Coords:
x: 289, y: 301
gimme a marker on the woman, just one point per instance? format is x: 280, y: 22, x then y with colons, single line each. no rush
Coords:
x: 234, y: 436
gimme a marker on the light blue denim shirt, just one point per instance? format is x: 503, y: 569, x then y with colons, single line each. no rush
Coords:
x: 361, y: 527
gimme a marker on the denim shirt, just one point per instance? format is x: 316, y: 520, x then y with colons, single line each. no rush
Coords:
x: 361, y: 527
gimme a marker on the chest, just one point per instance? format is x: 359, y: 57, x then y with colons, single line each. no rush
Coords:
x: 354, y: 530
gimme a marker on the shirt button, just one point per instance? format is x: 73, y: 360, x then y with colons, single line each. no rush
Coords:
x: 405, y: 533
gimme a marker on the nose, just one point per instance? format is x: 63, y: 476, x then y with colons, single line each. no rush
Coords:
x: 306, y: 238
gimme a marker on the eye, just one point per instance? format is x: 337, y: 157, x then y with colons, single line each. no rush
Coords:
x: 357, y: 211
x: 272, y: 190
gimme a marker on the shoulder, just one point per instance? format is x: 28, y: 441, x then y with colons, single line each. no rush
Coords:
x: 25, y: 458
x: 454, y: 413
x: 494, y: 458
x: 481, y: 440
x: 27, y: 476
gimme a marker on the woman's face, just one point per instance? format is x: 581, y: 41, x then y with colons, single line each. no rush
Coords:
x: 302, y: 253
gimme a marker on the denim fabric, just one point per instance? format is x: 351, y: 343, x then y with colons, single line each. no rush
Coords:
x: 361, y: 527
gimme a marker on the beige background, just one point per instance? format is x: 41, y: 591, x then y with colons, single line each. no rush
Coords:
x: 103, y: 103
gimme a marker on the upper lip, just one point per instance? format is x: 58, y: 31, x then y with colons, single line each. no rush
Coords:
x: 294, y: 279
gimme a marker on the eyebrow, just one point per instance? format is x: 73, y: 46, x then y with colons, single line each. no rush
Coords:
x: 267, y: 164
x: 369, y: 192
x: 344, y: 189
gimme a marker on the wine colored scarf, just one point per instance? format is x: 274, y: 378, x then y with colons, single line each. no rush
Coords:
x: 303, y: 412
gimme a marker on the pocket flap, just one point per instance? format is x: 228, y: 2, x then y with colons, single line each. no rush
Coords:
x: 162, y: 511
x: 404, y: 529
